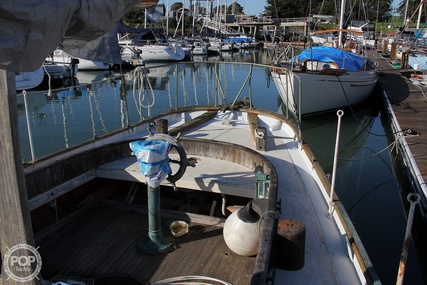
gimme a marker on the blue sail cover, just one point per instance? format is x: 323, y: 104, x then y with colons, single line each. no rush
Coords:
x: 344, y: 59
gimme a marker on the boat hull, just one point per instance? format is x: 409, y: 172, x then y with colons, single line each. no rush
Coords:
x: 161, y: 53
x: 29, y: 80
x: 309, y: 93
x: 60, y: 57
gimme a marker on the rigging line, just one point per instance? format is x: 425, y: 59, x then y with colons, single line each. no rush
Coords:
x: 392, y: 145
x: 410, y: 19
x: 367, y: 193
x: 375, y: 154
x: 345, y: 94
x: 349, y: 105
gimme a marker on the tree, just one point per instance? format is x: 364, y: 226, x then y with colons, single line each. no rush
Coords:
x: 368, y: 10
x: 411, y: 11
x: 176, y: 6
x: 235, y: 9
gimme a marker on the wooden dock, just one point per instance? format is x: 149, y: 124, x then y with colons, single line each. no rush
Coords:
x: 406, y: 105
x: 408, y: 102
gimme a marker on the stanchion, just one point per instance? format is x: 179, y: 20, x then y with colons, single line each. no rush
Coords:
x: 413, y: 199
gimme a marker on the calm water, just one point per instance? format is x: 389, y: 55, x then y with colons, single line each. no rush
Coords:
x: 105, y: 101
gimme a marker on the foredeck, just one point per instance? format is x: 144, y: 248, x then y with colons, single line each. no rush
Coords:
x: 103, y: 239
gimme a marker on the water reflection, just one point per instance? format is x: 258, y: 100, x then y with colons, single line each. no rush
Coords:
x: 355, y: 128
x: 106, y: 101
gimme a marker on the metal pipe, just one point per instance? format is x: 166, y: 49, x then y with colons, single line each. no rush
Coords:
x: 340, y: 113
x: 155, y: 242
x: 413, y: 200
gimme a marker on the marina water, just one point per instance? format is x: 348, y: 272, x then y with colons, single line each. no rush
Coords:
x: 101, y: 102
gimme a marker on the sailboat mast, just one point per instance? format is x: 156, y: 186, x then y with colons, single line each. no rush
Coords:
x: 340, y: 27
x: 406, y: 13
x: 194, y: 16
x: 167, y: 19
x: 419, y: 15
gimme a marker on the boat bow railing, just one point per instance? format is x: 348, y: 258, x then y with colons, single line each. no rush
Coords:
x: 140, y: 94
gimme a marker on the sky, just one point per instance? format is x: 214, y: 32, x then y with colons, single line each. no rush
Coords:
x: 251, y: 7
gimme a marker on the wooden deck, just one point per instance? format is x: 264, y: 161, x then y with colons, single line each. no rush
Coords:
x: 103, y: 239
x: 409, y: 104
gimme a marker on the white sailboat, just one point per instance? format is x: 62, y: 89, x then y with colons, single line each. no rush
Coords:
x: 151, y: 52
x: 322, y: 78
x: 61, y: 57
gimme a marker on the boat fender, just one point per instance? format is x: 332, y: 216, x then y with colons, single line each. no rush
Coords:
x: 241, y: 231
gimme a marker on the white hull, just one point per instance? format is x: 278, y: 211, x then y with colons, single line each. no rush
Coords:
x: 322, y: 93
x: 60, y: 57
x: 29, y: 80
x: 200, y: 50
x: 153, y: 52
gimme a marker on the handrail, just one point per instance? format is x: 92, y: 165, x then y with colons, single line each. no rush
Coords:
x: 176, y: 98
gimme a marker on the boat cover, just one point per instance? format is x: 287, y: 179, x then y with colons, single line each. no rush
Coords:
x: 153, y: 158
x: 31, y: 30
x: 344, y: 59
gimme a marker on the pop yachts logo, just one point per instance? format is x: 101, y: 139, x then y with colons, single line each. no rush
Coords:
x: 22, y: 263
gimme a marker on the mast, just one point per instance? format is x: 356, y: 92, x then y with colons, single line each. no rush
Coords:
x: 194, y: 16
x: 340, y: 27
x: 406, y: 13
x: 419, y: 16
x: 167, y: 19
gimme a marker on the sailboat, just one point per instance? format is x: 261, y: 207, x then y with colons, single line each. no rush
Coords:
x: 58, y: 56
x: 323, y: 78
x: 140, y: 45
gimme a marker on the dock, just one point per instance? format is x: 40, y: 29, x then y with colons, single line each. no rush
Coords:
x: 405, y: 102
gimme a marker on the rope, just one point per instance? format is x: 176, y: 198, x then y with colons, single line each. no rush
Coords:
x: 391, y: 146
x: 191, y: 280
x: 139, y: 79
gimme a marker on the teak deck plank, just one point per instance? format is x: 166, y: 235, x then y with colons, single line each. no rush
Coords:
x: 103, y: 240
x: 409, y: 105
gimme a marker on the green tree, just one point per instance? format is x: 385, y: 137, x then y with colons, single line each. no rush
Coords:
x: 235, y: 9
x: 176, y: 6
x: 412, y: 10
x: 368, y: 10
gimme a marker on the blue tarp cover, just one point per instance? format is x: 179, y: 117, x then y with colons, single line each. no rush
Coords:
x: 344, y: 59
x: 153, y: 158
